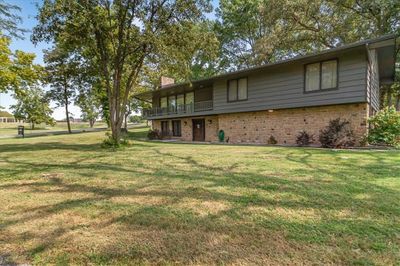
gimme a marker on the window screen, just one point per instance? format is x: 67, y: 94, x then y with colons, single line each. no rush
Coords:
x: 329, y: 74
x: 242, y: 89
x: 232, y: 90
x: 312, y: 77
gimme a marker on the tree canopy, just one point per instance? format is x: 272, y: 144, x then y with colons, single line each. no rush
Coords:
x: 121, y: 36
x: 9, y: 20
x: 254, y: 32
x: 33, y: 107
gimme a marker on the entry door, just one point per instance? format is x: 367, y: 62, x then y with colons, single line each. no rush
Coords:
x: 198, y: 130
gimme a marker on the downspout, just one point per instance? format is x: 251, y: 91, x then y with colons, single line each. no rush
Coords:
x: 367, y: 72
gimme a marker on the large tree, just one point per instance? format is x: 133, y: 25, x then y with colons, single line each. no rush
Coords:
x: 121, y: 36
x: 63, y: 76
x: 89, y: 103
x: 33, y: 107
x: 17, y: 69
x: 9, y: 20
x: 255, y: 32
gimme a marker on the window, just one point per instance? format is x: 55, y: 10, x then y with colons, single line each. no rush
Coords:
x: 163, y: 102
x: 180, y: 99
x: 189, y: 102
x: 172, y: 103
x: 180, y: 103
x: 321, y: 76
x: 232, y: 91
x: 329, y: 74
x: 237, y: 90
x: 312, y: 77
x: 189, y: 97
x: 242, y: 89
x: 164, y: 128
x: 176, y: 128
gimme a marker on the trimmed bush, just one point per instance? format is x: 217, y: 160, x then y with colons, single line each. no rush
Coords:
x: 338, y: 134
x: 304, y: 139
x: 154, y: 134
x: 272, y: 140
x: 110, y: 143
x: 385, y: 128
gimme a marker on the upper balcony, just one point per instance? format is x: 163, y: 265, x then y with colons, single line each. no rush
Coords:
x: 179, y: 100
x: 183, y: 109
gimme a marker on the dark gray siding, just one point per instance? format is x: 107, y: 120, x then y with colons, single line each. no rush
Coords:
x: 373, y: 80
x: 283, y: 86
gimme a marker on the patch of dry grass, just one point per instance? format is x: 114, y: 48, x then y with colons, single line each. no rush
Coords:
x: 65, y: 200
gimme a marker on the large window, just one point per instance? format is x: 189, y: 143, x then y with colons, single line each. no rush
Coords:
x: 163, y: 102
x: 176, y: 128
x: 189, y: 102
x: 180, y: 103
x: 237, y: 90
x: 172, y: 103
x: 164, y: 128
x: 180, y: 99
x: 321, y: 76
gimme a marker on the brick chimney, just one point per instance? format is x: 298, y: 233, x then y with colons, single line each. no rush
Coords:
x: 166, y: 81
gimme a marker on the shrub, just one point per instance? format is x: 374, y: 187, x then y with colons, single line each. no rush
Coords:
x: 304, y: 139
x: 153, y: 134
x: 385, y: 128
x: 337, y: 134
x: 109, y: 142
x: 272, y: 140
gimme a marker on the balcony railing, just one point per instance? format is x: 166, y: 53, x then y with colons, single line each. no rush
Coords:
x: 180, y: 109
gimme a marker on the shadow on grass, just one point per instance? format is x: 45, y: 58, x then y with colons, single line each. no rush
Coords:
x: 189, y: 237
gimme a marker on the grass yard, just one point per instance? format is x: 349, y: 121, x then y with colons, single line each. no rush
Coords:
x: 64, y: 200
x: 11, y: 128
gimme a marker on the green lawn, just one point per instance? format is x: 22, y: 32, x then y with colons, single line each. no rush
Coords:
x: 64, y: 199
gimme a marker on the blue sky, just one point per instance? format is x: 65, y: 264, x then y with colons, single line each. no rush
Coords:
x: 28, y: 14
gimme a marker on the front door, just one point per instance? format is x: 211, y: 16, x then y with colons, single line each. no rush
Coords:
x: 198, y: 130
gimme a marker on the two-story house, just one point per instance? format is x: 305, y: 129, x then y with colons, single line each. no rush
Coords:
x: 278, y: 99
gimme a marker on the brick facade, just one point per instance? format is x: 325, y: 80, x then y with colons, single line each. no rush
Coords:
x: 283, y: 124
x: 211, y: 124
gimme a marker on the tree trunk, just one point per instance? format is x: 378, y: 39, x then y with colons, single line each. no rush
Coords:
x: 66, y: 108
x: 32, y: 125
x: 126, y: 122
x: 115, y: 133
x: 398, y: 102
x: 91, y: 122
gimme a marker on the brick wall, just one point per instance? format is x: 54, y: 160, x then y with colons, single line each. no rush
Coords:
x: 284, y: 124
x: 211, y: 123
